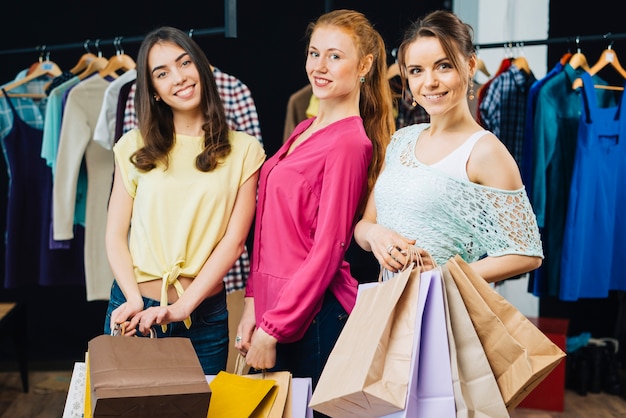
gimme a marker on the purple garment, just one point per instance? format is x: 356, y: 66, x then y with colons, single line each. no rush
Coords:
x: 28, y: 257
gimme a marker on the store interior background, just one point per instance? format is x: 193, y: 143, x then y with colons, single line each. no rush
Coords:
x: 268, y: 56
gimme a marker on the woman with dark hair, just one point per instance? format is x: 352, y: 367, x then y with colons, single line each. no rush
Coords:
x: 182, y: 203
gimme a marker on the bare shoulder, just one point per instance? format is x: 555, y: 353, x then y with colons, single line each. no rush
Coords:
x: 491, y: 164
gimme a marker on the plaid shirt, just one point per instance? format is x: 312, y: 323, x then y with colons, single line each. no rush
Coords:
x: 241, y: 115
x: 503, y: 109
x: 406, y: 113
x: 30, y: 111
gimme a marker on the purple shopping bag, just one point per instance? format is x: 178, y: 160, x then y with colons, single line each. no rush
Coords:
x: 430, y: 391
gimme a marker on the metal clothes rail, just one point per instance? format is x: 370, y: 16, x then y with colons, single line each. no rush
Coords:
x: 229, y: 30
x: 561, y: 40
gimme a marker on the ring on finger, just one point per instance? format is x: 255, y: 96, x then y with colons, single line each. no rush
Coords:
x: 389, y: 249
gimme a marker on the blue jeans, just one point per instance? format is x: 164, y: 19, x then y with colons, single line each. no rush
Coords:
x: 307, y: 356
x: 208, y: 332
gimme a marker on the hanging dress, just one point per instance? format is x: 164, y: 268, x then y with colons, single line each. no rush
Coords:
x: 29, y: 260
x: 595, y: 228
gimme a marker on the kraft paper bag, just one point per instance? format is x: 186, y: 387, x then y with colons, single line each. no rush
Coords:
x: 430, y: 392
x: 281, y: 389
x: 367, y: 372
x: 476, y: 391
x: 519, y: 354
x: 146, y: 377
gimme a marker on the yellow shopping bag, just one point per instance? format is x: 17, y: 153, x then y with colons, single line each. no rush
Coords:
x: 235, y: 396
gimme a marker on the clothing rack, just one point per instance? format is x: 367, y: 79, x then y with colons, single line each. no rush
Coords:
x: 562, y: 40
x: 229, y: 30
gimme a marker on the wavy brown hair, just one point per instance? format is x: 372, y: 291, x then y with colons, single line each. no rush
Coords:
x: 156, y: 122
x: 375, y: 104
x: 454, y: 35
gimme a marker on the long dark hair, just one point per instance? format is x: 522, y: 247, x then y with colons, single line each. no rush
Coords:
x: 155, y: 118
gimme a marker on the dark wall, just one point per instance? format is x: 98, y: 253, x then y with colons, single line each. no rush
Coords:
x: 267, y: 55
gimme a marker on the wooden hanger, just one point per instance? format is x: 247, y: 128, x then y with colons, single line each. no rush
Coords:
x: 393, y: 70
x: 117, y: 62
x: 45, y: 67
x: 480, y: 66
x: 521, y: 62
x: 120, y: 61
x: 578, y: 60
x: 565, y: 58
x: 608, y: 57
x: 96, y: 65
x: 84, y: 60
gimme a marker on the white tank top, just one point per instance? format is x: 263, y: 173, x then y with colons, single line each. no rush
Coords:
x: 455, y: 163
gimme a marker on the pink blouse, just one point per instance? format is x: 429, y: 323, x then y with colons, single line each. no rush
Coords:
x: 305, y: 218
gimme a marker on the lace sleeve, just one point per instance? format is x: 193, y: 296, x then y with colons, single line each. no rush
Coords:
x: 400, y: 138
x: 504, y: 222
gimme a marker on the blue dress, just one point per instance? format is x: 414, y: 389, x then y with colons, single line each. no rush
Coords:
x: 595, y: 227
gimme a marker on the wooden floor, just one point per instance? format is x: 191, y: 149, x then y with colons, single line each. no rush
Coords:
x: 48, y: 390
x: 45, y: 399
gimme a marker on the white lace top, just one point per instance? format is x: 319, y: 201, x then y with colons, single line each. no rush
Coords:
x: 449, y: 216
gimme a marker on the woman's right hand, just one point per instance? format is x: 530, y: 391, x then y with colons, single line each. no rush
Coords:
x: 389, y: 247
x: 122, y: 315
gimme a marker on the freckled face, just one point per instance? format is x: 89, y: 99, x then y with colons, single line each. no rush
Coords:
x: 332, y: 63
x: 435, y: 84
x: 175, y: 77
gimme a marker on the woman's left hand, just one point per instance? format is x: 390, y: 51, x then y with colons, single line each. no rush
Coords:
x: 155, y: 315
x: 262, y: 352
x: 389, y: 247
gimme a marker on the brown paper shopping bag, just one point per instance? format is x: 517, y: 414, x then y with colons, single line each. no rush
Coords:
x: 476, y: 392
x: 146, y: 377
x: 367, y: 372
x: 519, y: 354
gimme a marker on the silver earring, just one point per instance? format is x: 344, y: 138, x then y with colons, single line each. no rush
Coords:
x: 362, y: 79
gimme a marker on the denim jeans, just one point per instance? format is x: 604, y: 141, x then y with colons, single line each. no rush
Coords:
x: 307, y: 356
x: 208, y: 332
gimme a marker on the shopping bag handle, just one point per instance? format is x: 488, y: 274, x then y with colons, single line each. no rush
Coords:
x: 414, y: 260
x: 240, y: 364
x: 120, y: 329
